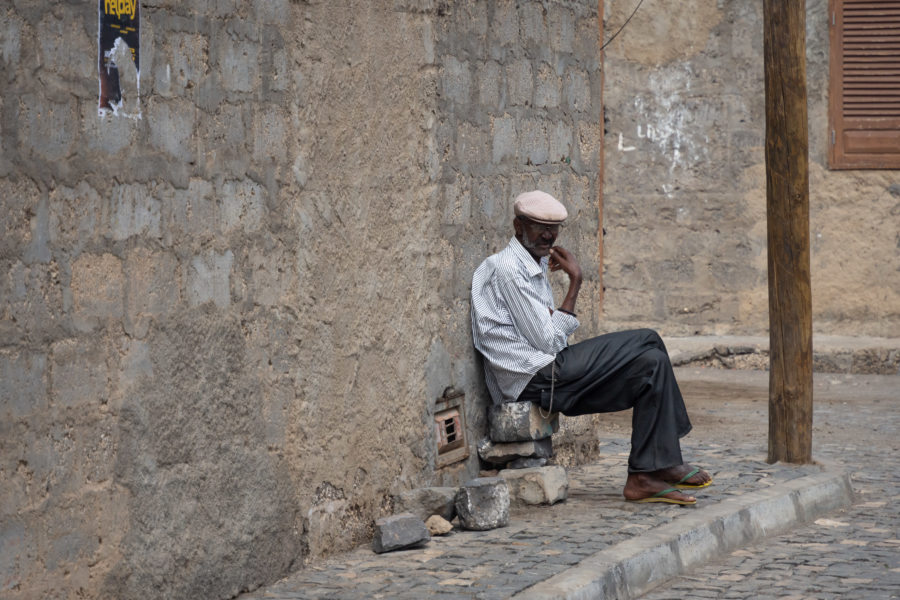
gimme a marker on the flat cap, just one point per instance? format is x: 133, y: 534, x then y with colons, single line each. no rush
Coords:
x: 540, y: 207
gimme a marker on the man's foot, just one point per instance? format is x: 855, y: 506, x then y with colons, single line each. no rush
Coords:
x: 685, y: 477
x: 646, y: 487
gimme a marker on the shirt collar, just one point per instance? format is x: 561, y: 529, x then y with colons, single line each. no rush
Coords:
x: 532, y: 266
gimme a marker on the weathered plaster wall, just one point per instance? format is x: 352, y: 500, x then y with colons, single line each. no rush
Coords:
x: 684, y: 185
x: 213, y: 344
x: 223, y: 326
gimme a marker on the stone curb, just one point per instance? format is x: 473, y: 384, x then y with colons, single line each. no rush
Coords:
x: 636, y: 566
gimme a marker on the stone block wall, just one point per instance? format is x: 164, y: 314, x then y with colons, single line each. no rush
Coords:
x: 684, y: 181
x: 519, y: 108
x: 224, y: 324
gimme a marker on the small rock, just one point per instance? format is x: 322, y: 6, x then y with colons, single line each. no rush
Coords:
x: 438, y: 525
x: 483, y: 503
x: 520, y: 422
x: 540, y: 485
x: 424, y: 502
x: 500, y: 454
x: 527, y: 463
x: 398, y: 532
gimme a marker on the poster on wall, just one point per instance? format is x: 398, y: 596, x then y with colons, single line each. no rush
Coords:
x: 120, y: 57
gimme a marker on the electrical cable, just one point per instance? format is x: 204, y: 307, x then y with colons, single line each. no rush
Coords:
x: 622, y: 27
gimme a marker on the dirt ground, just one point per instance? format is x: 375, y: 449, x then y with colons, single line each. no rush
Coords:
x: 732, y: 405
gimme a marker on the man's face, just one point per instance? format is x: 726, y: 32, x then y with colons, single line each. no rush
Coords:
x: 537, y: 238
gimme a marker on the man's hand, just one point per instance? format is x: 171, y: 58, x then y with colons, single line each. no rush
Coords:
x: 562, y: 259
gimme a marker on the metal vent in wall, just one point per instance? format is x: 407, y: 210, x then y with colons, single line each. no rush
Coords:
x: 450, y: 428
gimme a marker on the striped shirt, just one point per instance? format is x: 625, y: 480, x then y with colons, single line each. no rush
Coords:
x: 511, y: 321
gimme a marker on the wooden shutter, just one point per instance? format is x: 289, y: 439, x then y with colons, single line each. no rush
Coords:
x: 864, y: 92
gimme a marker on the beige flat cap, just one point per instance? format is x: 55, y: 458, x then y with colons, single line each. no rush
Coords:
x: 540, y: 207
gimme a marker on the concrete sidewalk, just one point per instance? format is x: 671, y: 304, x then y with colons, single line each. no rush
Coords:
x: 831, y: 353
x: 593, y: 545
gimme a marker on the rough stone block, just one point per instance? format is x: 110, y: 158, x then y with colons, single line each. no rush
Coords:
x: 79, y: 374
x: 577, y: 90
x: 132, y: 211
x: 47, y: 128
x: 172, y: 128
x: 504, y: 142
x: 209, y: 278
x: 273, y: 275
x: 562, y: 30
x: 456, y: 80
x: 483, y: 503
x: 472, y: 146
x: 97, y: 286
x: 73, y: 215
x: 589, y: 137
x: 23, y: 384
x: 184, y: 64
x: 243, y: 205
x: 438, y: 525
x: 533, y: 142
x: 17, y: 543
x: 587, y: 42
x: 502, y: 453
x: 538, y: 485
x: 560, y: 142
x: 526, y: 463
x: 269, y: 131
x: 520, y: 422
x: 153, y: 287
x: 489, y: 84
x: 428, y: 501
x: 504, y: 27
x: 520, y: 80
x: 532, y: 24
x: 239, y: 61
x: 33, y: 295
x: 546, y: 93
x: 398, y: 532
x: 474, y: 17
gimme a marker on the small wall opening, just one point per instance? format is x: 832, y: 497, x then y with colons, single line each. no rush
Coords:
x: 450, y: 428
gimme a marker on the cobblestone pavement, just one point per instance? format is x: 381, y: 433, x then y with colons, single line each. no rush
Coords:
x: 538, y: 543
x: 853, y: 553
x: 728, y: 440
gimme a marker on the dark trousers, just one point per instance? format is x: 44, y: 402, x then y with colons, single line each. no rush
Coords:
x: 618, y: 371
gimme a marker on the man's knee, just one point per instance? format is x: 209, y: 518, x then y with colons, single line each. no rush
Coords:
x: 652, y: 338
x: 651, y: 361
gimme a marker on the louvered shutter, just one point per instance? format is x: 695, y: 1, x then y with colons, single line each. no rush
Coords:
x: 864, y: 91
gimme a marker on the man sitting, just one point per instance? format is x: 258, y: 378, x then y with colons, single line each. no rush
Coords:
x: 524, y: 341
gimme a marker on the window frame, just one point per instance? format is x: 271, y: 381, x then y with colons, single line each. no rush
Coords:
x: 860, y: 141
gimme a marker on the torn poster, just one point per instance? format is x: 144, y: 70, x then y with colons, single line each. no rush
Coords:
x: 120, y: 57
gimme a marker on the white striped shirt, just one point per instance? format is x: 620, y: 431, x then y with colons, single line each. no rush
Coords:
x: 511, y: 324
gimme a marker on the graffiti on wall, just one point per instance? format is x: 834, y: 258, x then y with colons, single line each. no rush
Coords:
x: 119, y: 57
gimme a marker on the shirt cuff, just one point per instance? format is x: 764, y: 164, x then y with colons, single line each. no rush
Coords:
x: 564, y: 322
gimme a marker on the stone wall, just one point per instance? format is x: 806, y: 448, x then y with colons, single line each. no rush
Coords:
x: 225, y: 323
x: 684, y: 182
x: 518, y: 109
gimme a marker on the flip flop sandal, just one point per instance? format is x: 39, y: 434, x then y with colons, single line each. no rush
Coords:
x: 690, y: 486
x: 660, y: 497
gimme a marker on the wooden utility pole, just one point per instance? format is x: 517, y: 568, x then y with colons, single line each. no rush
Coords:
x: 787, y: 213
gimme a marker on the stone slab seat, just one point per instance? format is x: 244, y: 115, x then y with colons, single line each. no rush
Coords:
x: 520, y: 422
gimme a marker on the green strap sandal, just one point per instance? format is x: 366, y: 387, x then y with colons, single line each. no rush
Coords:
x: 681, y: 485
x: 660, y: 497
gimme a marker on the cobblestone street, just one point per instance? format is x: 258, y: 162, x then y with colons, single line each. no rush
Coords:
x: 854, y: 553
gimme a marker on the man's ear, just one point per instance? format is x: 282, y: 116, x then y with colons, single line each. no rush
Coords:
x: 517, y: 225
